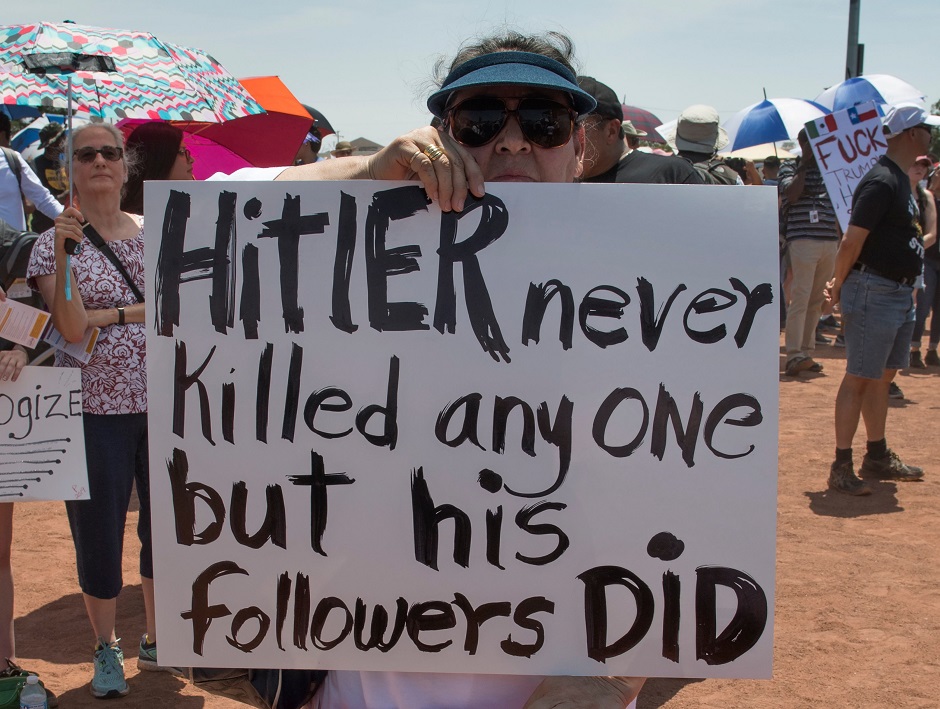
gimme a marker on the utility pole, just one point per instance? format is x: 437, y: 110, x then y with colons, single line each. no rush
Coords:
x: 855, y: 52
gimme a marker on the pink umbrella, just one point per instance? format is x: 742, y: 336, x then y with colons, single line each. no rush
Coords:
x: 269, y: 139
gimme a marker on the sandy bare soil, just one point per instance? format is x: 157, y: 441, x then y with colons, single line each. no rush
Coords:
x: 858, y: 579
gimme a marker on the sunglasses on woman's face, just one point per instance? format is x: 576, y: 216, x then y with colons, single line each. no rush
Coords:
x: 477, y: 121
x: 110, y: 153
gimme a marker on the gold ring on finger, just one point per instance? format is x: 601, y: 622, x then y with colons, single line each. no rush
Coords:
x: 433, y: 152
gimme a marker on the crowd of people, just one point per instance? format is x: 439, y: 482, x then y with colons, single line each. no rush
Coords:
x: 510, y: 107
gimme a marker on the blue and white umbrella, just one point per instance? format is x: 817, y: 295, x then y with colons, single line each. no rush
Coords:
x: 880, y: 88
x: 770, y: 121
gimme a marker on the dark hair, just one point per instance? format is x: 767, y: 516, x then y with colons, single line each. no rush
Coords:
x: 5, y: 125
x: 155, y: 146
x: 553, y: 45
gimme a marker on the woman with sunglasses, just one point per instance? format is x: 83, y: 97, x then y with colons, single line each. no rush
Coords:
x: 509, y: 110
x: 85, y: 289
x: 159, y: 154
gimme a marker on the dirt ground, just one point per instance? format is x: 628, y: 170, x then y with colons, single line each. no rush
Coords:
x: 858, y: 579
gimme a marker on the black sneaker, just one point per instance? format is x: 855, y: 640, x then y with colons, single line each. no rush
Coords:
x: 821, y: 339
x: 842, y: 479
x: 932, y: 359
x: 889, y: 468
x: 829, y: 322
x: 916, y: 361
x: 840, y: 341
x: 894, y: 392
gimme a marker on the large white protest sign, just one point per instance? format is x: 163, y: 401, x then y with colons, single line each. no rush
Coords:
x: 42, y: 443
x: 846, y: 145
x: 537, y: 437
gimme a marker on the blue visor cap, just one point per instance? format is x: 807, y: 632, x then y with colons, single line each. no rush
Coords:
x: 512, y: 68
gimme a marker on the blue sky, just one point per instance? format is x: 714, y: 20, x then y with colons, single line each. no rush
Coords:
x: 366, y: 64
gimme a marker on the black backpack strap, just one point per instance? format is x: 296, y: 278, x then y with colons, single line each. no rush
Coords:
x: 95, y: 238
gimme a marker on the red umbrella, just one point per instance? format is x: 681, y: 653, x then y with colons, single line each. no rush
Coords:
x: 643, y: 120
x: 269, y: 139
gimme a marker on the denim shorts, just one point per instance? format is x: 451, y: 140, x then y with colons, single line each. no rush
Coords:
x: 879, y: 318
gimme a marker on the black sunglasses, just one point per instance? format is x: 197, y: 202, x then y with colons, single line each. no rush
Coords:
x: 110, y: 153
x: 477, y: 121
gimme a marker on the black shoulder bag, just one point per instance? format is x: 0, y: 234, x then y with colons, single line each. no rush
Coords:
x: 95, y: 238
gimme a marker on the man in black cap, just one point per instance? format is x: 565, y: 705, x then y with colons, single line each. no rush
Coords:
x: 608, y: 158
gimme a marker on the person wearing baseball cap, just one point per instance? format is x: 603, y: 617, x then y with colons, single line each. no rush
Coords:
x: 611, y: 153
x: 879, y: 260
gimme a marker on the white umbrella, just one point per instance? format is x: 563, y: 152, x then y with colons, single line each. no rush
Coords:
x: 880, y: 88
x: 758, y: 153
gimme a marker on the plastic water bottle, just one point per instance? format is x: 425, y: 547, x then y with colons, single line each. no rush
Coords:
x: 33, y: 696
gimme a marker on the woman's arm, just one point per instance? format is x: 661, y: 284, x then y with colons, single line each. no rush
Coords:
x: 68, y: 315
x: 111, y: 316
x: 446, y: 179
x: 44, y: 200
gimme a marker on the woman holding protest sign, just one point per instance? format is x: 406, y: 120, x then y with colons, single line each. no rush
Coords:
x: 510, y: 111
x: 100, y: 286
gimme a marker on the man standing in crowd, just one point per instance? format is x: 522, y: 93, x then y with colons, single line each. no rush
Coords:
x: 17, y: 180
x: 612, y: 143
x: 50, y: 171
x: 808, y: 220
x: 343, y: 149
x: 771, y: 170
x: 878, y: 261
x: 697, y: 139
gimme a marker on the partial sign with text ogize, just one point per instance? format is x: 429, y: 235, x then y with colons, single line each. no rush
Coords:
x: 846, y: 145
x: 42, y: 440
x: 535, y: 437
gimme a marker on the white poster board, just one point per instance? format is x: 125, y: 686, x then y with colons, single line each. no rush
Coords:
x: 42, y: 441
x: 846, y: 144
x: 367, y: 452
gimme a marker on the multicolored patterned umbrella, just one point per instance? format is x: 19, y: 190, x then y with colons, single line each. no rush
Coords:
x: 116, y: 74
x: 645, y: 121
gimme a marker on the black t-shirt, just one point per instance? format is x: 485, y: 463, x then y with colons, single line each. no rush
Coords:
x: 884, y: 204
x: 53, y: 179
x: 640, y: 167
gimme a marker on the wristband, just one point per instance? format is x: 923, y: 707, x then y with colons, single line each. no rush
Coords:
x: 120, y: 310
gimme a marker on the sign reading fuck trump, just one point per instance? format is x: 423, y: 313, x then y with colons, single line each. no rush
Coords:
x: 538, y: 436
x: 846, y: 145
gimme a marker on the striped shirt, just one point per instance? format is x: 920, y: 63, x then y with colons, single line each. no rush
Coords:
x: 812, y: 216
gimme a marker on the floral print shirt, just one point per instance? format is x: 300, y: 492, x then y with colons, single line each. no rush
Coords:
x: 114, y: 381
